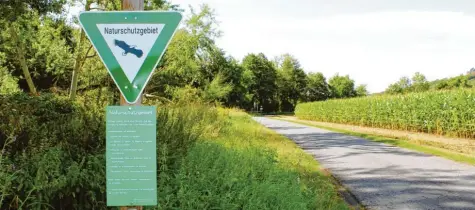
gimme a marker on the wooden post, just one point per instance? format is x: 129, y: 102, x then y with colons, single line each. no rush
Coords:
x: 131, y: 5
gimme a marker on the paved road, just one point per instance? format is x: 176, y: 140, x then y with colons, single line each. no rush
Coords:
x: 382, y: 176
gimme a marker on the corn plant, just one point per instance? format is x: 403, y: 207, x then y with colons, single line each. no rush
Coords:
x: 450, y: 113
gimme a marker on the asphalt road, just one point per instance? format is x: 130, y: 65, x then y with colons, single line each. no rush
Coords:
x: 383, y: 176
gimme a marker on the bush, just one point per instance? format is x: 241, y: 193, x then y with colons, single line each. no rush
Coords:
x: 449, y: 113
x: 54, y: 154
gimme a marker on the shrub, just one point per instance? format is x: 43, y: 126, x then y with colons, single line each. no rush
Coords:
x: 54, y: 154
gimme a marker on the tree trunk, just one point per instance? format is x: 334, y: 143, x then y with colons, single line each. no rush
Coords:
x: 77, y: 68
x: 80, y: 58
x: 21, y: 58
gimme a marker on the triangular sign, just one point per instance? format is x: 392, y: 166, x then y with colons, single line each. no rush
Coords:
x: 130, y: 43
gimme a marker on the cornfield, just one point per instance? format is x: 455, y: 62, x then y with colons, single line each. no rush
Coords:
x: 450, y: 113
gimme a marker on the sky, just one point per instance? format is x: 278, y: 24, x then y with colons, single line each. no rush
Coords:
x: 374, y: 41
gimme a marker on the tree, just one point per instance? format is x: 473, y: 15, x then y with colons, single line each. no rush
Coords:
x: 404, y: 83
x: 459, y: 82
x: 419, y: 83
x: 12, y: 9
x: 191, y: 59
x: 241, y: 80
x: 361, y: 90
x: 179, y: 66
x: 80, y: 57
x: 202, y: 26
x: 291, y: 82
x: 160, y: 5
x: 317, y: 88
x: 16, y: 15
x: 401, y: 86
x: 216, y: 90
x: 264, y: 86
x: 342, y: 86
x: 194, y: 63
x: 394, y: 89
x: 442, y: 84
x: 215, y: 64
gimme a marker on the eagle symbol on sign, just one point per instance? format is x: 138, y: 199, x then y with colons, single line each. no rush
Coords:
x: 127, y: 48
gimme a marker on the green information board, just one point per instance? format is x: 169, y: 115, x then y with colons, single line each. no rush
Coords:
x: 131, y: 161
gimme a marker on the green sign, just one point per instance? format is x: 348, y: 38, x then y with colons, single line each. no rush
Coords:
x: 130, y: 44
x: 131, y: 162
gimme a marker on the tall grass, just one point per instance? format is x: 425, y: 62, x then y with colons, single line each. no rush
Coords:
x: 450, y: 113
x: 245, y: 166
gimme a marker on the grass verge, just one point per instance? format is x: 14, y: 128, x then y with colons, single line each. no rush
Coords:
x: 247, y: 166
x: 404, y: 143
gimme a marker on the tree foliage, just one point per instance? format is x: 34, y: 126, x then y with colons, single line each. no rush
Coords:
x: 264, y: 87
x: 61, y: 59
x: 291, y: 83
x: 10, y: 10
x: 361, y: 90
x: 317, y: 88
x: 419, y: 83
x: 8, y: 83
x: 342, y: 86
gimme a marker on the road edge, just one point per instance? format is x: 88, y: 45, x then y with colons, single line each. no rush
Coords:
x: 398, y: 142
x: 350, y: 198
x: 343, y: 192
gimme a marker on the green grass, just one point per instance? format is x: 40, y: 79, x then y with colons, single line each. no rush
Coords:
x: 247, y: 166
x: 404, y: 143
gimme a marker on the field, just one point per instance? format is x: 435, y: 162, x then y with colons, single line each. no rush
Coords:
x: 208, y: 157
x: 449, y: 113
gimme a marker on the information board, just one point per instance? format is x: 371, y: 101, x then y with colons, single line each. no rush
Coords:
x: 131, y: 161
